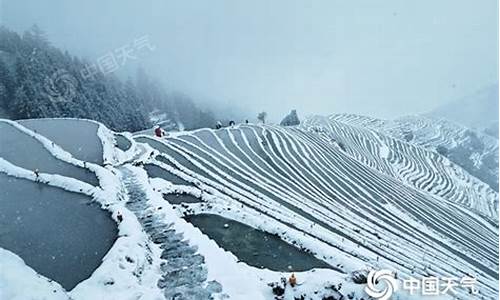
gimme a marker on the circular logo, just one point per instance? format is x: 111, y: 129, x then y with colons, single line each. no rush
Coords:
x: 61, y: 86
x: 381, y: 284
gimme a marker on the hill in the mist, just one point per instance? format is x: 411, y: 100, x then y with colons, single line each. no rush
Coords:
x: 472, y: 150
x: 478, y: 110
x: 38, y: 80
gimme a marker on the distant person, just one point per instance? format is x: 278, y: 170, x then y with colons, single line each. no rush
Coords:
x: 37, y: 174
x: 292, y: 280
x: 119, y: 217
x: 246, y: 121
x: 159, y: 132
x: 218, y: 125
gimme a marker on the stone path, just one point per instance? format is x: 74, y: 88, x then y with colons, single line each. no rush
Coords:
x: 184, y: 272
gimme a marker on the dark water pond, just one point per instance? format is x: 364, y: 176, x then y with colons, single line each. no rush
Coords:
x: 255, y: 247
x: 78, y: 137
x: 26, y: 152
x: 122, y: 142
x: 156, y: 171
x: 180, y: 198
x: 61, y: 235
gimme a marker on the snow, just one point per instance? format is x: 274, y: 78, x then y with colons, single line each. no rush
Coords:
x: 222, y: 191
x: 384, y: 152
x: 20, y: 282
x: 414, y: 163
x: 132, y: 241
x: 347, y: 212
x: 239, y: 280
x: 116, y: 277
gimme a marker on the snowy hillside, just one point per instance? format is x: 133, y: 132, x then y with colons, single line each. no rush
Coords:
x: 475, y: 152
x: 411, y: 156
x: 212, y: 214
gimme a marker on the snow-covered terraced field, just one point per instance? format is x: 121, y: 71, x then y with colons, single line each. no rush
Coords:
x: 474, y: 151
x: 345, y: 208
x: 346, y: 212
x: 410, y: 163
x: 61, y: 223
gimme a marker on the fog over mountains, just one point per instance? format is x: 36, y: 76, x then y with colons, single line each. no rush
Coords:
x: 37, y: 80
x: 478, y: 110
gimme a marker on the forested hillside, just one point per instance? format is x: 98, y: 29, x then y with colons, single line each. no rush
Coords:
x: 37, y: 80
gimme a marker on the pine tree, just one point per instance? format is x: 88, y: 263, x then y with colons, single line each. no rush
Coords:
x: 38, y: 80
x: 291, y: 119
x: 7, y: 86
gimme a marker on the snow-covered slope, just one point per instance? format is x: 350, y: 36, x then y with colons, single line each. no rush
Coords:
x: 299, y: 185
x: 344, y: 208
x: 406, y: 151
x: 475, y: 152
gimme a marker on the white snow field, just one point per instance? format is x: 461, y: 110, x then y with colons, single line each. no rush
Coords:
x: 217, y: 214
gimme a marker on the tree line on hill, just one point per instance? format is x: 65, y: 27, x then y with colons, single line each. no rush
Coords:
x: 38, y: 80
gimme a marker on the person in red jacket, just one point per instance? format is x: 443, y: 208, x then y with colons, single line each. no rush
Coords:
x: 158, y: 131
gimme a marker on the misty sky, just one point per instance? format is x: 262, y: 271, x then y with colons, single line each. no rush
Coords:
x: 379, y: 58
